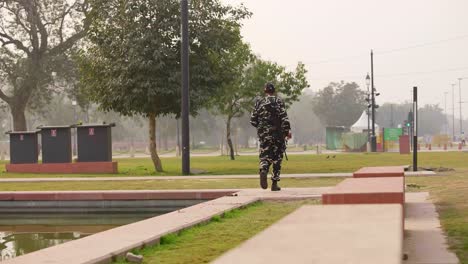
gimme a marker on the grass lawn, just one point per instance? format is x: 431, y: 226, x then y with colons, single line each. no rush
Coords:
x: 249, y: 164
x: 204, y: 243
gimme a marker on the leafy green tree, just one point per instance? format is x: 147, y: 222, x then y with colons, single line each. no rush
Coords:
x: 248, y: 76
x: 132, y: 63
x: 35, y: 37
x: 339, y: 104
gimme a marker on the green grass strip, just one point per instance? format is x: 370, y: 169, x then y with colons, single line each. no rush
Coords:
x: 222, y: 165
x: 204, y: 243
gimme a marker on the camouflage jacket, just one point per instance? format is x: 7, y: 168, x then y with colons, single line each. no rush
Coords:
x: 269, y: 116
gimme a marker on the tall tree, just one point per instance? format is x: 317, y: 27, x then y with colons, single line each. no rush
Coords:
x: 339, y: 104
x: 248, y: 76
x: 35, y: 36
x: 132, y: 63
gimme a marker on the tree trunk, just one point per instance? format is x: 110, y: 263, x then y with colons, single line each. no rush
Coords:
x: 152, y: 143
x: 236, y: 143
x: 228, y: 137
x: 244, y: 140
x: 166, y: 142
x: 19, y: 118
x: 221, y: 145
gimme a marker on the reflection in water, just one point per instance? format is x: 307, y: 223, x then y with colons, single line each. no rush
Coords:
x: 33, y: 232
x: 12, y: 245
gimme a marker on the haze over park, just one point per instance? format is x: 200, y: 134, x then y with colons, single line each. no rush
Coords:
x: 233, y: 131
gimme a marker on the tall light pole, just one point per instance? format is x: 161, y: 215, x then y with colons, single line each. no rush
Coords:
x: 461, y: 116
x: 373, y: 105
x: 453, y: 111
x: 415, y: 128
x: 185, y: 88
x: 367, y: 111
x: 74, y: 104
x: 373, y: 139
x: 446, y: 114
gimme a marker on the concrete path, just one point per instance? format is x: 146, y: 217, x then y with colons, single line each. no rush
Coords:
x: 197, y: 177
x: 102, y: 247
x: 425, y: 242
x: 327, y: 234
x: 305, y: 236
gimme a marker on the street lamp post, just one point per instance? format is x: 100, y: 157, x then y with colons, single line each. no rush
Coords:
x: 185, y: 88
x: 367, y: 111
x: 453, y: 111
x: 373, y: 105
x: 74, y: 104
x: 446, y: 115
x: 461, y: 116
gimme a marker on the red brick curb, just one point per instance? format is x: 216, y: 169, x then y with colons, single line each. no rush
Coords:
x: 390, y: 171
x: 68, y: 168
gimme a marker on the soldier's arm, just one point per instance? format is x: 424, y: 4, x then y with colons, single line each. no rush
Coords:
x: 254, y: 116
x: 283, y: 115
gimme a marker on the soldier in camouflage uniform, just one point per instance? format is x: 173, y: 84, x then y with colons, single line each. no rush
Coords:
x: 271, y: 120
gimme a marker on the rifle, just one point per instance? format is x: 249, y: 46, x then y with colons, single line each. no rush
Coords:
x: 285, y: 154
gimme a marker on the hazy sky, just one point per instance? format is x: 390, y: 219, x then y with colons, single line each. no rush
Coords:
x: 420, y: 43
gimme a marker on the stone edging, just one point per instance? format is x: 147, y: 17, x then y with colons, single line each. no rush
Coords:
x: 103, y: 247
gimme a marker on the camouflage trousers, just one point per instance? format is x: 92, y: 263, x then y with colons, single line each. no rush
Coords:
x: 271, y: 153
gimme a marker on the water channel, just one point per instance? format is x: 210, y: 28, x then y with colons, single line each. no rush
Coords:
x: 24, y: 233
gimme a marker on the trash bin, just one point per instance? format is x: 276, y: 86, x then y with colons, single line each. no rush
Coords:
x: 24, y: 147
x: 94, y: 142
x: 56, y: 144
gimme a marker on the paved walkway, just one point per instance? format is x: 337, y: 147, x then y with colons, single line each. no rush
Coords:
x: 101, y: 247
x: 196, y: 177
x: 304, y: 236
x: 425, y: 242
x: 324, y: 234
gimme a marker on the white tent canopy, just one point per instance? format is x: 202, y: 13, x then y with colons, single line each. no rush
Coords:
x: 361, y: 125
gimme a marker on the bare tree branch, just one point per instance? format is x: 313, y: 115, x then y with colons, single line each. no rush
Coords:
x: 10, y: 40
x: 4, y: 97
x: 62, y: 20
x: 7, y: 51
x: 67, y: 44
x: 17, y: 15
x: 42, y: 29
x: 33, y: 34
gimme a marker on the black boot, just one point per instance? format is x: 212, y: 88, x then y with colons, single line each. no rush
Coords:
x: 263, y: 179
x: 275, y: 187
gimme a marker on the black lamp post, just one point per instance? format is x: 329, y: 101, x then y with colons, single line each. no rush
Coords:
x: 373, y: 139
x: 368, y: 106
x: 185, y: 88
x: 74, y: 104
x: 461, y: 116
